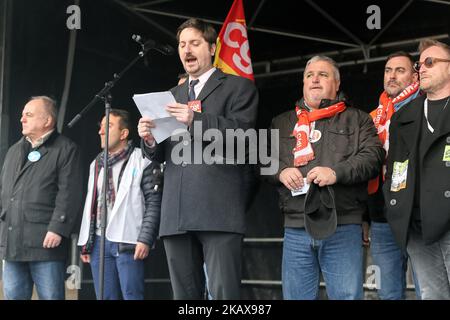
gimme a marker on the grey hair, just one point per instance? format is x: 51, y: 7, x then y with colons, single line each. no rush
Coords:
x: 50, y: 105
x: 333, y: 63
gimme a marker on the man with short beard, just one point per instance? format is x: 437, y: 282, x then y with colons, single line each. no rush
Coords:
x: 400, y: 87
x: 133, y: 201
x: 417, y: 186
x: 203, y: 207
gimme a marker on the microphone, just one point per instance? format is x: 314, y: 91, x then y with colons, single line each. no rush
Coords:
x: 152, y: 44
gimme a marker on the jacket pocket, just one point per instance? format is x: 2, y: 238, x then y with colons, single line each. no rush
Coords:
x: 289, y: 204
x: 34, y: 234
x: 38, y: 216
x: 340, y: 140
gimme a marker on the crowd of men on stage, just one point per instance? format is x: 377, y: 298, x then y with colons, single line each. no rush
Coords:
x: 346, y: 179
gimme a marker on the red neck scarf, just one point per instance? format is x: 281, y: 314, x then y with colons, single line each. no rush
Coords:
x: 382, y: 119
x: 303, y: 152
x: 382, y: 115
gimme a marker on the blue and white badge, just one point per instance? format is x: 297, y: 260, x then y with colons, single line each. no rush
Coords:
x: 34, y: 156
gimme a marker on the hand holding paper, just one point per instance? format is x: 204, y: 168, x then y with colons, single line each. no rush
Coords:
x: 144, y: 130
x: 181, y: 112
x: 152, y: 107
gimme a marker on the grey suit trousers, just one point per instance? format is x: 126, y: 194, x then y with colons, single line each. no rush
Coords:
x: 221, y: 252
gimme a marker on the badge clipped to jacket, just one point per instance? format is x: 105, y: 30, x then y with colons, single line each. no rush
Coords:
x: 315, y: 136
x: 446, y: 156
x: 399, y: 173
x: 195, y: 105
x: 34, y: 156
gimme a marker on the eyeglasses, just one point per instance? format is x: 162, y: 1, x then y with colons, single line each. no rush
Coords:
x: 428, y: 62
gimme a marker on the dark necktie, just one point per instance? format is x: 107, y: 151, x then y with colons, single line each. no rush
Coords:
x: 192, y: 84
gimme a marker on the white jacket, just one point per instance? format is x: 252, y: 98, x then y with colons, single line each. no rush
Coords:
x: 125, y: 218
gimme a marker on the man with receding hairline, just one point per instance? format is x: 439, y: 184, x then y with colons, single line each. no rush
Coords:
x: 41, y: 190
x: 328, y: 152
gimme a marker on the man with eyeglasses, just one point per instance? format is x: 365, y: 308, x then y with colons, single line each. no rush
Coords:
x: 417, y: 186
x: 401, y: 86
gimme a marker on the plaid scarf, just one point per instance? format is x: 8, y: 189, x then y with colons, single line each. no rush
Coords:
x: 96, y: 210
x: 303, y: 151
x: 382, y: 119
x: 112, y: 160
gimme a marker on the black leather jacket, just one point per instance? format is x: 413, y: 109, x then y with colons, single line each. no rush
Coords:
x: 349, y: 145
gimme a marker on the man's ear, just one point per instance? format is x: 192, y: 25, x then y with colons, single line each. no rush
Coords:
x: 415, y: 77
x: 212, y: 50
x: 124, y: 134
x: 50, y: 123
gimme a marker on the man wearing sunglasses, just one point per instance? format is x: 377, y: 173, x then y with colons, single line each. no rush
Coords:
x: 417, y: 186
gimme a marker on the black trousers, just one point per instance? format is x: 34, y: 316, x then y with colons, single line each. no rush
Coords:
x: 221, y: 252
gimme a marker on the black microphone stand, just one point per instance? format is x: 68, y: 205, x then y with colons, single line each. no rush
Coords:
x: 105, y: 95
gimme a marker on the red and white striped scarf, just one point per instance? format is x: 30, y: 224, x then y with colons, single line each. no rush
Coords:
x: 303, y: 151
x: 382, y: 119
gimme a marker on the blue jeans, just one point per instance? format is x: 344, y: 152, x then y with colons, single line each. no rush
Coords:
x: 391, y: 260
x: 47, y: 276
x: 431, y: 264
x: 123, y: 277
x: 339, y: 257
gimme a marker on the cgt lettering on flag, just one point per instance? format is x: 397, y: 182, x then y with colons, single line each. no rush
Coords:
x: 233, y: 49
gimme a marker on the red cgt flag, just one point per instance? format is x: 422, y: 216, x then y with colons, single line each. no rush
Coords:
x: 233, y: 50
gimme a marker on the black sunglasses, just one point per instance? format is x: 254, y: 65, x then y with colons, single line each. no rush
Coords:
x: 428, y: 62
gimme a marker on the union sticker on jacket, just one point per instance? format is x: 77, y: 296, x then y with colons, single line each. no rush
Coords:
x: 446, y: 153
x: 195, y: 105
x: 399, y: 173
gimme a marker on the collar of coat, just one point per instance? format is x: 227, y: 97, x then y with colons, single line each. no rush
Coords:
x: 44, y: 140
x: 40, y: 141
x: 324, y: 103
x: 409, y: 122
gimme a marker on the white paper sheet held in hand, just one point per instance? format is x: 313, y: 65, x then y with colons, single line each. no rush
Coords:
x: 153, y: 105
